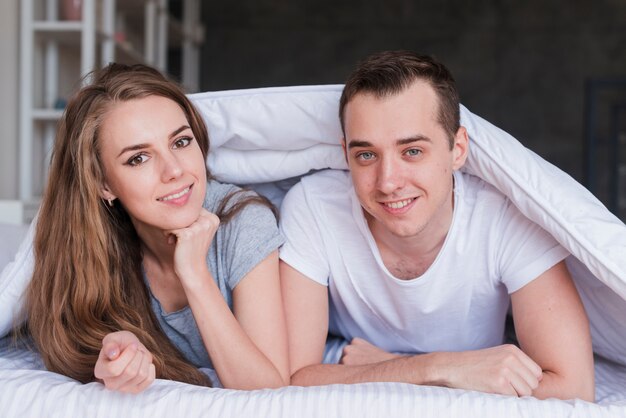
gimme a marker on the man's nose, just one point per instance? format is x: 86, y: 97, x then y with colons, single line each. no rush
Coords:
x: 390, y: 176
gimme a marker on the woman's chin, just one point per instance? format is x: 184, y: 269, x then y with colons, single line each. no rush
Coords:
x: 181, y: 222
x: 171, y: 221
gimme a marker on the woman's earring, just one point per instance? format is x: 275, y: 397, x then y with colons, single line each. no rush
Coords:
x: 110, y: 202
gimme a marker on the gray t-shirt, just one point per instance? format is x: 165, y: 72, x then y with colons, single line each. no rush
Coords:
x: 238, y: 246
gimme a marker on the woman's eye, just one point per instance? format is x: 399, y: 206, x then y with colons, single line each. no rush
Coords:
x: 137, y: 159
x: 413, y: 152
x: 365, y: 156
x: 182, y: 142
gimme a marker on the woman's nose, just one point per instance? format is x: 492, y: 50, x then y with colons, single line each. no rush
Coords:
x: 172, y: 168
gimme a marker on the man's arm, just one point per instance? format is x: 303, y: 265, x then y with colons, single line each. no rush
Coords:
x: 503, y: 369
x: 306, y: 310
x: 553, y: 329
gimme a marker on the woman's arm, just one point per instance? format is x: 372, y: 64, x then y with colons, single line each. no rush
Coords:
x: 306, y: 312
x: 258, y: 307
x: 248, y: 349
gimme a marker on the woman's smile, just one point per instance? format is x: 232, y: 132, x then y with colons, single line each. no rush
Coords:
x: 178, y: 198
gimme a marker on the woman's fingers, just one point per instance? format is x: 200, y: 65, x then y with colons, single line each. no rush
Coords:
x: 140, y: 372
x: 124, y: 368
x: 131, y: 372
x: 107, y: 368
x: 124, y: 363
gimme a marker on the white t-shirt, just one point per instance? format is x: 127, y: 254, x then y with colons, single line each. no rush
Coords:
x: 459, y: 303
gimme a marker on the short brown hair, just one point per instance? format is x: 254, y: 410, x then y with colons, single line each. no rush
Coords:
x: 390, y: 72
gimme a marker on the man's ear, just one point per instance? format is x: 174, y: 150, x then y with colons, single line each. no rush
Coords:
x: 460, y: 149
x: 345, y: 150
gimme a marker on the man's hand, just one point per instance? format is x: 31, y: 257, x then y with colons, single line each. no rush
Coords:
x: 504, y: 370
x: 124, y: 364
x: 360, y: 352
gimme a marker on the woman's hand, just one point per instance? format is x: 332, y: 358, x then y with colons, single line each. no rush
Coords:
x: 124, y: 363
x: 192, y: 245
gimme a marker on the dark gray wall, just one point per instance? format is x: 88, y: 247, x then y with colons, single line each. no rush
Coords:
x: 520, y: 64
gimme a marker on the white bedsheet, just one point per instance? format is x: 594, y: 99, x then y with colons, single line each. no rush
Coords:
x: 26, y: 390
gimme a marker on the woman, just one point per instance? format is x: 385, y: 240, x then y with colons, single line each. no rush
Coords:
x: 145, y: 265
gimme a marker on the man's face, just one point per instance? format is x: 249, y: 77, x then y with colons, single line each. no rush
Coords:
x: 401, y: 162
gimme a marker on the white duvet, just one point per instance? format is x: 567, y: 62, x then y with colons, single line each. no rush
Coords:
x: 265, y: 137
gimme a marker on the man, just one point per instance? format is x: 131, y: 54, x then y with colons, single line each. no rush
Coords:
x: 405, y: 254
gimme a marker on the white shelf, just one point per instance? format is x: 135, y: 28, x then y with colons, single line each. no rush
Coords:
x: 57, y: 26
x: 47, y: 114
x: 61, y: 32
x: 17, y: 212
x: 126, y: 31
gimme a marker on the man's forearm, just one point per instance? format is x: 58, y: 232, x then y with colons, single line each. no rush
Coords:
x: 502, y: 369
x: 555, y: 386
x: 407, y: 369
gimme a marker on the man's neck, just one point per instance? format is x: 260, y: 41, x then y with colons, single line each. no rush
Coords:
x: 411, y: 256
x: 408, y: 258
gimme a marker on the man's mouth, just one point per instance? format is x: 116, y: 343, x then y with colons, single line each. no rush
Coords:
x: 398, y: 204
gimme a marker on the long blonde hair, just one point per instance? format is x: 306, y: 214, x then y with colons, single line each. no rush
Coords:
x: 87, y: 279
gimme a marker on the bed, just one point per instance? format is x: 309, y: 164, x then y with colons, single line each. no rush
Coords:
x: 268, y: 138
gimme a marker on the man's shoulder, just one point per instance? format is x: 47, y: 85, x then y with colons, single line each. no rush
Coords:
x: 327, y: 191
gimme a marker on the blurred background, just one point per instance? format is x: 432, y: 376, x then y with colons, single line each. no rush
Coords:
x: 552, y: 73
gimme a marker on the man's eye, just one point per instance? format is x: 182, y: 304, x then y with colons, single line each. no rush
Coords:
x: 137, y: 159
x: 365, y: 156
x: 413, y: 152
x: 182, y: 142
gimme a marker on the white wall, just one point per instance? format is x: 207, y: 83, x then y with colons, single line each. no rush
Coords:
x: 9, y: 65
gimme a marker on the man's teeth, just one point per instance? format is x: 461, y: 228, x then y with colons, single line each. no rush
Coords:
x: 175, y: 195
x: 398, y: 205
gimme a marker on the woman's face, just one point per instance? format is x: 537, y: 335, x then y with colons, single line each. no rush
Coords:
x: 152, y: 163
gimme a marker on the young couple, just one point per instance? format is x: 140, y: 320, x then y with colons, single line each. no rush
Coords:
x: 146, y: 267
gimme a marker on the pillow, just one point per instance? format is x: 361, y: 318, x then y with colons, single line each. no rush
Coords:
x: 15, y: 274
x: 11, y: 235
x: 269, y: 134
